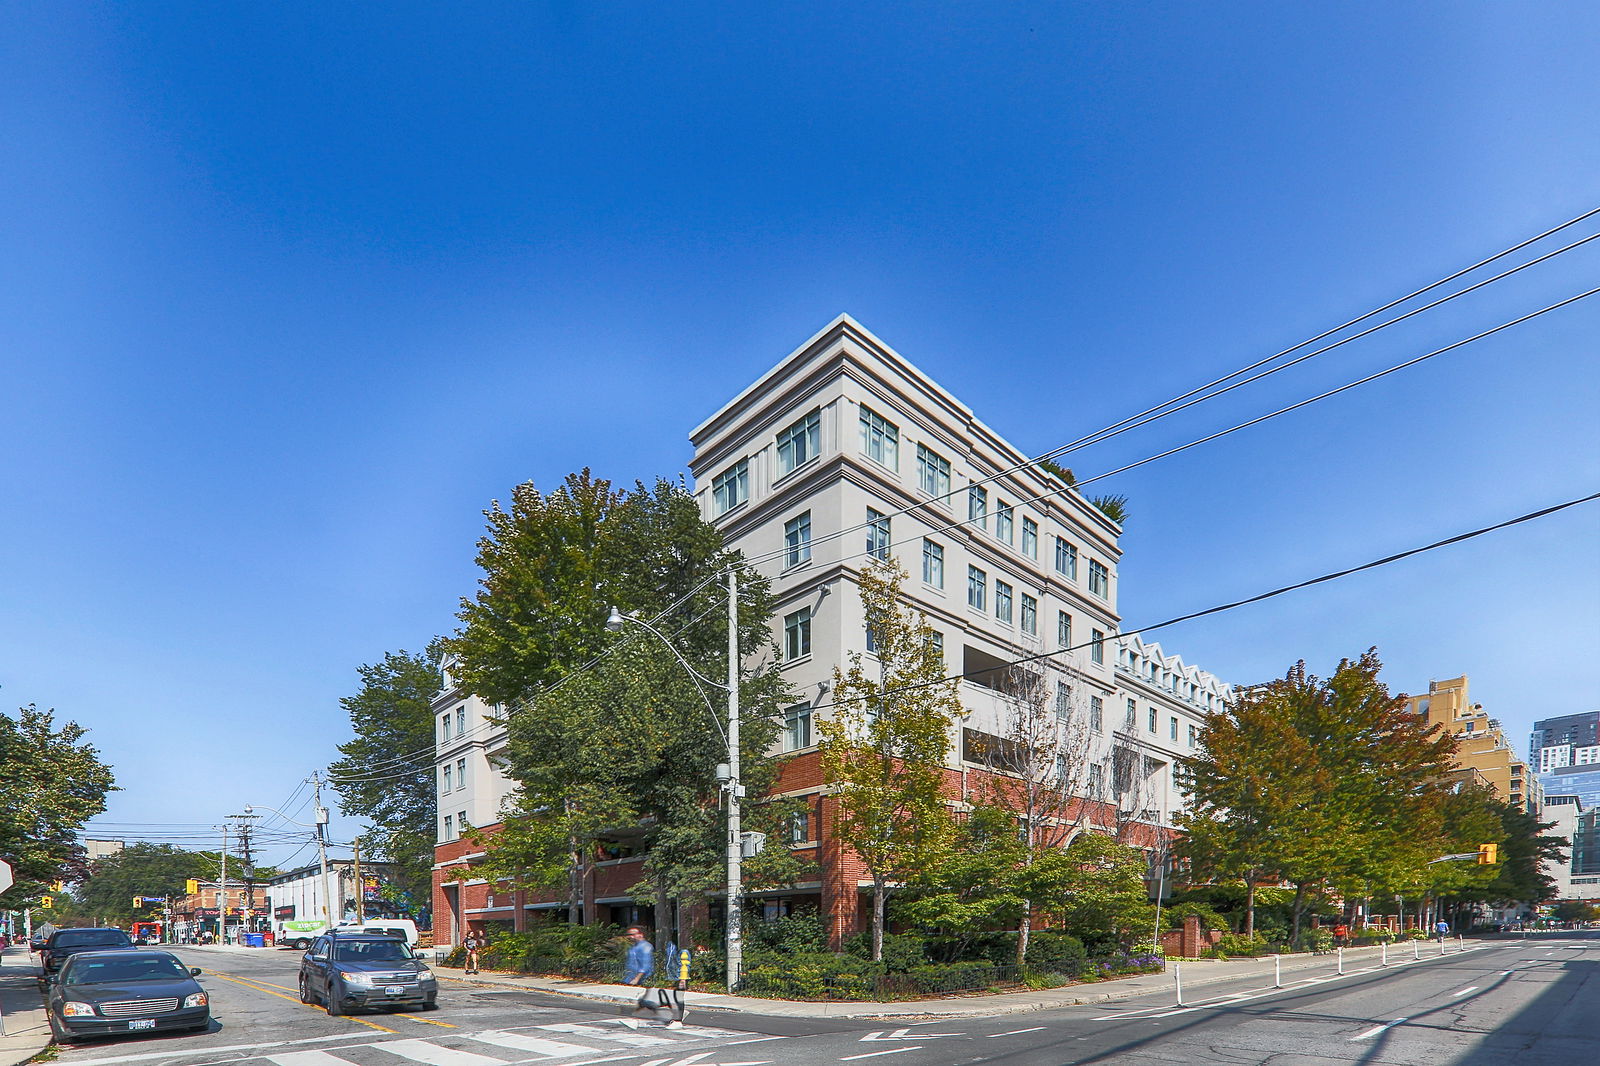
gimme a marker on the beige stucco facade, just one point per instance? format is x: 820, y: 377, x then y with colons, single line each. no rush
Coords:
x: 1481, y: 745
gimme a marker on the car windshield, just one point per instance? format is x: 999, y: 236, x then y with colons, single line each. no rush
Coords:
x: 87, y: 970
x: 78, y: 938
x: 371, y: 950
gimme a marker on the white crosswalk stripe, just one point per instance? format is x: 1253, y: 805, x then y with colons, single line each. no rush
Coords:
x: 434, y: 1055
x: 535, y: 1044
x: 630, y: 1037
x: 307, y: 1058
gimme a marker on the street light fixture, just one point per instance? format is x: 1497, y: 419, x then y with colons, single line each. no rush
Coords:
x: 728, y: 772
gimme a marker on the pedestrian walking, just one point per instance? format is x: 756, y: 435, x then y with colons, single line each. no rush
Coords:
x: 473, y: 944
x: 1442, y: 929
x: 680, y: 985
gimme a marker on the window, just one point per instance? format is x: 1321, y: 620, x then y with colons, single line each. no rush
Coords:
x: 1063, y: 700
x: 1003, y: 524
x: 880, y: 439
x: 799, y: 827
x: 877, y: 534
x: 933, y: 564
x: 1066, y: 559
x: 1030, y: 538
x: 978, y: 506
x: 1030, y: 615
x: 1133, y: 713
x: 461, y: 773
x: 448, y: 786
x: 731, y: 487
x: 797, y: 540
x: 449, y: 828
x: 1097, y: 781
x: 1097, y: 713
x: 797, y: 727
x: 1097, y: 646
x: 936, y: 641
x: 461, y: 822
x: 1002, y: 601
x: 933, y: 472
x: 1099, y: 579
x: 797, y: 634
x: 799, y: 444
x: 1172, y: 730
x: 1063, y: 629
x: 461, y: 721
x: 444, y: 727
x: 1152, y: 721
x: 977, y: 587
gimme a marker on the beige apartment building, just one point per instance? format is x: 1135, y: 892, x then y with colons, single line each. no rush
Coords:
x: 1482, y: 749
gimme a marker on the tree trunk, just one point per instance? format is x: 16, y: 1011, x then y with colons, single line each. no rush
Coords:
x: 1022, y: 933
x: 878, y: 900
x: 1299, y: 912
x: 663, y: 916
x: 1249, y: 907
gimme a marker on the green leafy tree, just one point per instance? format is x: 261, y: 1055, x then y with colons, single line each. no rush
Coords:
x: 977, y: 885
x: 1095, y: 889
x: 51, y: 782
x: 1576, y: 910
x: 885, y: 742
x: 392, y: 721
x: 140, y: 869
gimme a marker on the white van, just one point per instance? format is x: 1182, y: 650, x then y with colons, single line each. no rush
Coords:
x: 393, y: 926
x: 297, y: 933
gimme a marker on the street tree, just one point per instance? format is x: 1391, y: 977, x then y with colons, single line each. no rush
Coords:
x: 52, y: 781
x: 1096, y: 890
x: 139, y: 869
x: 392, y: 720
x: 885, y: 741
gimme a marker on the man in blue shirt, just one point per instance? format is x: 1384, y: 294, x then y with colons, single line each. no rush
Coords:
x: 641, y: 960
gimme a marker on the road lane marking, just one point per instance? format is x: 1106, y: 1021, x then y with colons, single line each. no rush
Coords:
x: 1014, y: 1032
x: 151, y: 1055
x: 428, y: 1021
x: 875, y: 1054
x: 616, y: 1036
x: 1464, y: 991
x: 528, y: 1043
x: 295, y: 999
x: 434, y: 1055
x: 1379, y: 1029
x: 307, y: 1058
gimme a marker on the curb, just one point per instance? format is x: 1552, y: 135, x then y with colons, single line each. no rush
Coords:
x: 22, y: 1015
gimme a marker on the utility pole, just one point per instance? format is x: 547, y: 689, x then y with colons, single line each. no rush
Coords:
x: 361, y: 886
x: 322, y: 847
x: 222, y: 891
x: 735, y: 933
x: 249, y: 867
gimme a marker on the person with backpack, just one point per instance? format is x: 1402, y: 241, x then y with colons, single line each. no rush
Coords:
x: 473, y: 944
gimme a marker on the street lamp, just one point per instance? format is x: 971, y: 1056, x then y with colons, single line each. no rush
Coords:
x: 322, y: 849
x: 728, y: 772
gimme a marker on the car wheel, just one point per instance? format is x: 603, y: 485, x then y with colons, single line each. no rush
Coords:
x: 335, y: 1001
x: 59, y: 1035
x: 302, y: 944
x: 305, y: 991
x: 431, y: 1003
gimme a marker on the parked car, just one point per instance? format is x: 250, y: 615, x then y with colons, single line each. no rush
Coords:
x: 102, y: 993
x: 64, y: 943
x: 365, y: 970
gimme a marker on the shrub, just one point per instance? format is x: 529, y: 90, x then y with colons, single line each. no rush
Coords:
x: 1315, y: 940
x: 1237, y: 944
x: 1052, y: 951
x: 797, y: 932
x: 1416, y: 934
x: 901, y: 951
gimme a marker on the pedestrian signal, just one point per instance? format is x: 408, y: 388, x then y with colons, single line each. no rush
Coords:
x: 1488, y: 854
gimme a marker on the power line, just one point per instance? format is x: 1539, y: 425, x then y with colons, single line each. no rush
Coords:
x: 1458, y: 538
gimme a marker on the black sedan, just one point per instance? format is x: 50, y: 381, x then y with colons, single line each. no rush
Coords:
x: 101, y: 993
x: 365, y: 970
x: 64, y: 943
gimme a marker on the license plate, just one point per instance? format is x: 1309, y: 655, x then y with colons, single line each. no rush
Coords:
x: 142, y: 1023
x: 395, y: 990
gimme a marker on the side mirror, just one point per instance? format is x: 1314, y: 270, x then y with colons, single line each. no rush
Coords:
x: 317, y: 958
x: 194, y: 971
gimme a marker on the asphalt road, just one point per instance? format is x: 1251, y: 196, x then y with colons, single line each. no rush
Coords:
x: 1505, y: 1003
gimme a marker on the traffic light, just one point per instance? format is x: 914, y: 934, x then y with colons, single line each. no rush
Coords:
x: 191, y: 887
x: 138, y: 901
x: 1488, y: 854
x: 46, y: 902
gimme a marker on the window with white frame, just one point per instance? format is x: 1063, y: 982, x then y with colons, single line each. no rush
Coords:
x: 978, y: 506
x: 1066, y: 559
x: 877, y: 534
x: 1099, y: 579
x: 1172, y: 730
x: 1151, y: 721
x: 1097, y: 781
x: 797, y: 727
x: 461, y: 773
x: 933, y: 564
x: 448, y: 785
x: 1030, y: 537
x: 880, y: 439
x: 461, y: 822
x: 1133, y: 713
x: 799, y: 827
x: 1097, y: 714
x: 449, y: 827
x: 444, y: 727
x: 933, y: 472
x: 797, y: 634
x: 1097, y: 646
x: 1030, y: 615
x: 1002, y: 601
x: 936, y: 642
x: 1063, y: 629
x: 977, y: 587
x: 731, y: 487
x: 799, y: 444
x: 1063, y: 700
x: 1003, y: 521
x: 461, y: 720
x: 797, y: 540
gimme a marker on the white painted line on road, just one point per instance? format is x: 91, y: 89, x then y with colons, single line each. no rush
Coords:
x: 617, y: 1036
x: 1379, y: 1029
x: 875, y: 1054
x: 307, y: 1058
x: 424, y: 1051
x: 148, y: 1056
x: 551, y: 1048
x: 1464, y: 991
x: 1014, y: 1032
x: 1170, y: 1013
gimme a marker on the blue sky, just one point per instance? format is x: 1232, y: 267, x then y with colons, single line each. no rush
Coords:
x: 289, y: 293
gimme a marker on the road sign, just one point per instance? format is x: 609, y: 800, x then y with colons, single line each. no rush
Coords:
x: 7, y: 879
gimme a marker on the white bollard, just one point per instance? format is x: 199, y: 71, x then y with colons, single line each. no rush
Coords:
x: 1277, y: 971
x: 1383, y: 953
x: 1177, y: 976
x: 1341, y: 962
x: 1416, y: 950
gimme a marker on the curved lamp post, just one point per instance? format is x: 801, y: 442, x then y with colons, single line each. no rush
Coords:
x: 322, y: 849
x: 728, y: 772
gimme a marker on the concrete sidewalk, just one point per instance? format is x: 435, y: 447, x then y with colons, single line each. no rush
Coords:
x: 26, y: 1032
x: 1196, y: 973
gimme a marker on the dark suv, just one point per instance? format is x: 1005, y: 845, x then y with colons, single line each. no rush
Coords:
x: 65, y: 943
x: 343, y: 971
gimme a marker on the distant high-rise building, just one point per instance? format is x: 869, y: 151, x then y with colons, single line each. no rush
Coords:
x: 1571, y: 740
